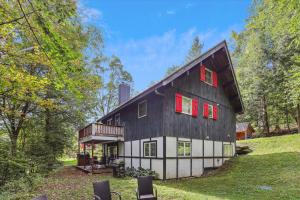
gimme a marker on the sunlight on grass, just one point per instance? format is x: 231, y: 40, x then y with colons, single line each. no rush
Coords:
x: 274, y: 164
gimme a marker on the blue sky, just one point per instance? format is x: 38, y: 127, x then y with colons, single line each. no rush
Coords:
x: 151, y: 35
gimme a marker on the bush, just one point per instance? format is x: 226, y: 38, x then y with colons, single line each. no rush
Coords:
x: 133, y: 172
x: 21, y: 188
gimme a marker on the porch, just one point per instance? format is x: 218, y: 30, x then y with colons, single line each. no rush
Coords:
x: 98, y: 147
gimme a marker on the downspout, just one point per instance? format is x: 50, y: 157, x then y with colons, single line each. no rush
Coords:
x: 163, y: 134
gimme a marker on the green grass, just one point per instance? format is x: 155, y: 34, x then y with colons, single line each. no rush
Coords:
x: 275, y: 162
x: 69, y: 162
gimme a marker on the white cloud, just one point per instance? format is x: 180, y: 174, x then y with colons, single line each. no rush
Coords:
x: 88, y: 14
x: 189, y: 5
x: 170, y: 12
x: 148, y: 58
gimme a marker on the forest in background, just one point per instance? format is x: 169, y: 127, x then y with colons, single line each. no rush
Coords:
x: 55, y: 78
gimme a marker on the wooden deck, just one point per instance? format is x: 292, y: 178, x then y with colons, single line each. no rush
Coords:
x: 98, y: 132
x: 88, y: 169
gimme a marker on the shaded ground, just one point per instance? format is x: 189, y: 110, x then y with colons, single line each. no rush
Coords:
x: 271, y: 171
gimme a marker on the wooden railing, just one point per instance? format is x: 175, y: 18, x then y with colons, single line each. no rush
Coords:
x: 98, y: 129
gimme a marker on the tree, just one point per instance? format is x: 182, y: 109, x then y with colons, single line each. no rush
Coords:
x: 195, y: 50
x: 172, y: 69
x: 42, y: 65
x: 108, y: 97
x: 277, y: 26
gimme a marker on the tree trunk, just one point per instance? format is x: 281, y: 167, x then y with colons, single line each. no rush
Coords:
x: 298, y: 117
x: 266, y: 117
x: 13, y: 140
x: 287, y: 120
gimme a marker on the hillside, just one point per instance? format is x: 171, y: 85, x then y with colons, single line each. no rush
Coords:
x: 271, y: 171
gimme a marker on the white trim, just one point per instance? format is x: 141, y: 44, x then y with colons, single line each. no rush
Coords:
x: 210, y: 108
x: 184, y: 148
x: 145, y: 101
x: 211, y: 77
x: 101, y: 138
x: 191, y: 105
x: 149, y: 143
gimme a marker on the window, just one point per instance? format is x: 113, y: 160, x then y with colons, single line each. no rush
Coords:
x: 109, y: 121
x: 184, y: 148
x: 150, y: 149
x: 142, y: 109
x: 117, y: 120
x: 210, y: 111
x: 227, y: 150
x: 208, y: 76
x: 186, y: 105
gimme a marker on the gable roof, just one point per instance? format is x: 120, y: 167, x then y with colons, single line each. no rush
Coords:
x: 211, y: 56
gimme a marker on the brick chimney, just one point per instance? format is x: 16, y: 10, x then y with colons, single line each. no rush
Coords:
x: 124, y: 93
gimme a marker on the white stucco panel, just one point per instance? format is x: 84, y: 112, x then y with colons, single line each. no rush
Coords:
x: 184, y: 167
x: 208, y: 163
x: 157, y: 166
x: 135, y: 163
x: 197, y: 147
x: 218, y: 148
x: 197, y: 169
x: 127, y: 148
x: 145, y: 163
x: 135, y: 148
x: 208, y: 148
x: 171, y: 168
x: 171, y: 147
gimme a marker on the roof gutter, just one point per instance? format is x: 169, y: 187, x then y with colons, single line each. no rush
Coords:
x: 159, y: 93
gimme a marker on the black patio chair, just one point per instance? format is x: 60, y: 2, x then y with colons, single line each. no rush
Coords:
x: 145, y: 190
x: 102, y: 191
x: 43, y: 197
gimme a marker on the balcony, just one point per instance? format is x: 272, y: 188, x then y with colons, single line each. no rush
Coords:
x: 97, y: 133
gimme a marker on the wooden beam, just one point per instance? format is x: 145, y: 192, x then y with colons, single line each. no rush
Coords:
x: 232, y: 97
x: 223, y: 69
x: 228, y: 83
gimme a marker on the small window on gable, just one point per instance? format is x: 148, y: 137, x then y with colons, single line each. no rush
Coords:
x: 150, y: 149
x: 142, y: 109
x: 109, y: 121
x: 184, y: 148
x: 208, y: 76
x: 117, y: 120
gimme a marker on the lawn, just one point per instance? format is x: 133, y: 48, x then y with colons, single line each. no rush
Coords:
x: 271, y: 171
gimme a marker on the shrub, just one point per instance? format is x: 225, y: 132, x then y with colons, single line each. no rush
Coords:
x: 133, y: 172
x: 21, y: 188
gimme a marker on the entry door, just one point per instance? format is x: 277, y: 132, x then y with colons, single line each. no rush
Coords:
x: 112, y: 152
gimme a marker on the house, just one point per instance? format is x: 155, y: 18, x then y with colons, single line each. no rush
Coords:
x: 244, y: 130
x: 178, y: 127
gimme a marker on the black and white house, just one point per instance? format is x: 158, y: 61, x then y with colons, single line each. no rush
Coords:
x: 179, y: 126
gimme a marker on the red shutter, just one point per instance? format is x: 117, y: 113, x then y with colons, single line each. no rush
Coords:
x: 215, y: 79
x: 205, y: 110
x: 202, y: 73
x: 215, y: 112
x: 195, y: 107
x: 178, y: 103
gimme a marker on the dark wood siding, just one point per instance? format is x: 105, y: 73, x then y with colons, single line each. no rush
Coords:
x: 183, y: 125
x: 145, y: 127
x: 162, y: 119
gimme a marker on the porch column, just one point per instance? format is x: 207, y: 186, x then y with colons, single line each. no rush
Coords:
x: 92, y: 156
x: 84, y: 157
